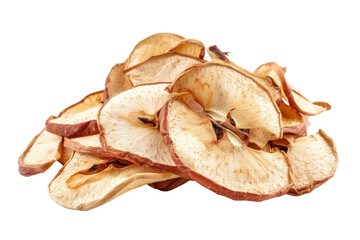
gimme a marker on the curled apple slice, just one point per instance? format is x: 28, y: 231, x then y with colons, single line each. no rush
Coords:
x: 106, y: 186
x: 190, y: 47
x: 218, y: 160
x: 151, y: 46
x: 293, y: 122
x: 218, y: 56
x: 79, y: 119
x: 44, y: 149
x: 230, y: 96
x: 314, y: 161
x: 129, y: 125
x: 161, y: 68
x: 295, y: 99
x: 116, y: 82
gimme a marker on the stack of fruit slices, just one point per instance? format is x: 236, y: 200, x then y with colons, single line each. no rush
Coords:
x: 167, y: 116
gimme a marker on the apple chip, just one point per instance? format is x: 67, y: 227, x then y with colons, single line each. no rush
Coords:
x: 79, y: 119
x: 106, y: 186
x: 295, y: 99
x: 66, y: 155
x: 129, y: 126
x: 151, y: 46
x: 44, y: 149
x: 190, y: 47
x: 230, y: 96
x: 161, y: 68
x: 218, y: 56
x: 293, y: 122
x: 314, y: 161
x: 168, y: 185
x: 218, y: 160
x: 91, y: 145
x: 116, y: 82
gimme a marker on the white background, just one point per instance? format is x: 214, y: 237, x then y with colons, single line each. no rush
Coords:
x: 53, y: 54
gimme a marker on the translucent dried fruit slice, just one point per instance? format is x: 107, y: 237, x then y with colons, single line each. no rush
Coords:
x: 90, y: 145
x: 105, y: 187
x: 129, y: 126
x: 295, y: 99
x: 79, y: 119
x: 218, y: 160
x: 314, y: 161
x: 161, y: 68
x: 293, y: 122
x: 218, y: 56
x: 151, y: 46
x: 116, y: 82
x: 233, y: 97
x: 44, y: 149
x: 190, y: 47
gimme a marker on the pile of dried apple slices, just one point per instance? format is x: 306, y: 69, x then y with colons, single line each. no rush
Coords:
x: 167, y: 116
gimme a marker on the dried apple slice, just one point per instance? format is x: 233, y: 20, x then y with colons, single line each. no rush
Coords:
x: 90, y: 145
x: 190, y: 47
x: 66, y: 155
x: 116, y: 82
x: 168, y: 185
x: 44, y: 149
x: 161, y: 68
x: 79, y: 119
x: 295, y: 99
x: 293, y: 122
x: 105, y: 187
x: 314, y: 161
x: 219, y: 57
x: 218, y: 160
x: 151, y: 46
x: 230, y: 96
x: 129, y: 126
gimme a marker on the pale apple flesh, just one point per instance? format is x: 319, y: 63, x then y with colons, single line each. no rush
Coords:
x: 41, y: 153
x: 314, y: 160
x: 129, y: 126
x: 228, y: 94
x: 218, y: 160
x: 116, y: 82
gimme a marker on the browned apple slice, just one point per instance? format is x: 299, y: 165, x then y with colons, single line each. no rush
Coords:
x: 293, y: 122
x: 219, y: 57
x: 218, y: 160
x: 79, y: 119
x: 314, y: 161
x: 295, y: 99
x: 190, y: 47
x: 105, y: 186
x: 44, y: 149
x: 151, y: 46
x: 230, y: 96
x: 116, y: 82
x: 161, y: 68
x: 129, y: 126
